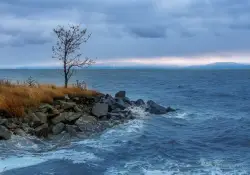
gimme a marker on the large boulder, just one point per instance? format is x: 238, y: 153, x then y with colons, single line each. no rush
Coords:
x: 72, y: 130
x: 58, y: 128
x: 120, y: 94
x: 4, y: 133
x: 87, y: 124
x: 100, y: 109
x: 42, y: 131
x: 154, y: 108
x: 46, y: 108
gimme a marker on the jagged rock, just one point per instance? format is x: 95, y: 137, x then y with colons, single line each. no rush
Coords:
x: 127, y: 100
x: 154, y: 108
x: 68, y: 105
x: 140, y: 102
x: 53, y: 113
x: 66, y: 97
x: 42, y: 117
x: 46, y: 108
x: 3, y: 122
x: 4, y: 133
x: 72, y: 130
x: 19, y: 132
x: 169, y: 109
x: 58, y: 128
x: 71, y: 116
x: 115, y: 116
x: 77, y: 109
x: 85, y: 119
x: 35, y: 121
x: 120, y: 94
x: 58, y: 119
x: 100, y: 109
x: 120, y: 104
x: 25, y: 127
x: 42, y: 131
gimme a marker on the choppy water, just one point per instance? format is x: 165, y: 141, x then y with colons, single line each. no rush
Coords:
x: 210, y: 134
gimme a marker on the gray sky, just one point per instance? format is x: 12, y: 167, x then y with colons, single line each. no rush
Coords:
x: 127, y: 32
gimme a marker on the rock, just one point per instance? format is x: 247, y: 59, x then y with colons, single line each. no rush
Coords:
x: 58, y: 128
x: 46, y: 108
x: 115, y: 116
x: 25, y: 127
x: 120, y: 104
x: 35, y: 121
x: 42, y: 117
x: 72, y: 130
x: 42, y: 131
x: 127, y: 100
x: 100, y: 109
x: 169, y: 109
x: 53, y: 113
x: 4, y: 133
x: 11, y: 125
x: 3, y: 122
x: 77, y: 109
x: 71, y: 116
x: 120, y: 94
x: 140, y: 102
x: 154, y: 108
x: 85, y: 119
x: 19, y: 132
x: 66, y: 97
x: 68, y: 105
x: 59, y: 118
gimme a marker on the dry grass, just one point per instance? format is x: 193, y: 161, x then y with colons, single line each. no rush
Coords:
x: 16, y: 98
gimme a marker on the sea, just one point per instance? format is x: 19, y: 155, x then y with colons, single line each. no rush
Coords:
x: 209, y: 134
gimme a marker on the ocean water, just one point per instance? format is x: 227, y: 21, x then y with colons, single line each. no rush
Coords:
x: 209, y: 134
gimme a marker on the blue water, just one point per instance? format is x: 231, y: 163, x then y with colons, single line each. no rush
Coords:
x: 210, y: 133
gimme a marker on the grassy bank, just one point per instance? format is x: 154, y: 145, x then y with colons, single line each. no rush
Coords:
x: 15, y: 98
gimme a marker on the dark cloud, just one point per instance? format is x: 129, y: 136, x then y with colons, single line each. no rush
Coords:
x: 128, y: 28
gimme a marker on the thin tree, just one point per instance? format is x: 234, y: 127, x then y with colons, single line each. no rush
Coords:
x: 67, y: 49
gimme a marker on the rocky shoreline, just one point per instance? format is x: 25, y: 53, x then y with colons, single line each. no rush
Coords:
x: 76, y: 114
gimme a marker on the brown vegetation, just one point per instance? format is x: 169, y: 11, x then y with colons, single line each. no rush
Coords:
x: 16, y: 98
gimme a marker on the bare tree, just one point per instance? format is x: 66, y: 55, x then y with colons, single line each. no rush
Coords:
x: 67, y: 49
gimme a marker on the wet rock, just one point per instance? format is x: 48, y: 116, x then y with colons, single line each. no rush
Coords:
x: 127, y: 101
x: 53, y: 113
x: 120, y: 104
x: 58, y: 128
x: 4, y: 133
x: 19, y: 132
x: 154, y: 108
x: 35, y: 121
x: 120, y: 94
x: 100, y: 109
x: 42, y: 117
x: 140, y: 102
x: 169, y: 109
x: 72, y: 130
x: 42, y: 131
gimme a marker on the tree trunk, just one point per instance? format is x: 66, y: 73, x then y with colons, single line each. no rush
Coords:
x: 65, y: 74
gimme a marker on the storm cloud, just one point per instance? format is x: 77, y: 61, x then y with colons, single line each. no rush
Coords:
x: 127, y: 29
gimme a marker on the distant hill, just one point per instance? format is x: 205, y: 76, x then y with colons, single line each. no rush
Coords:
x: 222, y: 65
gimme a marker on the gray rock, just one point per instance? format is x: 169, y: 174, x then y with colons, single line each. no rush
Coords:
x: 72, y: 130
x: 35, y: 121
x: 58, y: 128
x: 4, y: 133
x: 115, y: 116
x: 100, y: 109
x: 19, y: 132
x: 68, y: 105
x: 46, y: 108
x: 25, y: 127
x: 66, y: 97
x: 127, y: 100
x: 120, y: 94
x: 3, y: 122
x: 85, y: 120
x: 42, y: 131
x: 77, y: 109
x: 58, y: 119
x: 71, y: 116
x: 140, y: 102
x: 53, y: 113
x: 42, y: 117
x: 120, y: 104
x: 154, y: 108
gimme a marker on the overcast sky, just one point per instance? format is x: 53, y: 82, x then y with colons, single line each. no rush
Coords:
x: 128, y: 32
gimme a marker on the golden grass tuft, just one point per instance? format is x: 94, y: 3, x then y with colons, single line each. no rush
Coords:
x: 16, y: 98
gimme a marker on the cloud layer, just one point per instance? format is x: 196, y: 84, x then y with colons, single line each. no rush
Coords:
x: 128, y: 29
